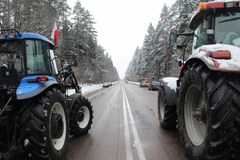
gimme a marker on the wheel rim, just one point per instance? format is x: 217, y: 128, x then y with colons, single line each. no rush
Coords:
x: 83, y: 117
x: 195, y: 115
x: 58, y: 110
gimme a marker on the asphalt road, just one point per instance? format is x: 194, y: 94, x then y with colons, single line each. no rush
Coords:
x: 126, y: 127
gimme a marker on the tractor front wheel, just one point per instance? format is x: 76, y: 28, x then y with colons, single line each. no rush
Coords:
x: 166, y: 112
x: 81, y: 117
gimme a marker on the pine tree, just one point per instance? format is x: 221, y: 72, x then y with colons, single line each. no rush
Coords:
x: 159, y: 57
x: 78, y: 37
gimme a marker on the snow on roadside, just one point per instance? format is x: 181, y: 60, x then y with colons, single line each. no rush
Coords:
x: 89, y: 88
x: 136, y: 83
x: 86, y: 89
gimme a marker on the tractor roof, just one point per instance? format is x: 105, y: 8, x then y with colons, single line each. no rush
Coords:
x: 5, y: 35
x: 29, y: 35
x: 204, y: 7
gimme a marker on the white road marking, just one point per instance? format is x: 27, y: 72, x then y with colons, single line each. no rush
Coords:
x: 127, y: 110
x: 129, y: 155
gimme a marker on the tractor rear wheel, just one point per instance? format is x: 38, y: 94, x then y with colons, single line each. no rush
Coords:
x: 209, y: 114
x: 81, y: 117
x: 44, y: 127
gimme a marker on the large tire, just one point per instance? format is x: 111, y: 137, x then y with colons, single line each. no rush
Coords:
x: 209, y: 114
x: 167, y: 111
x: 44, y: 127
x: 81, y: 117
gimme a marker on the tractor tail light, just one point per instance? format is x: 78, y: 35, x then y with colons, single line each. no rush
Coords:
x: 38, y: 79
x: 41, y: 79
x: 221, y: 54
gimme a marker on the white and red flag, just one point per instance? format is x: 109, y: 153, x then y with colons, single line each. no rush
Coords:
x: 55, y: 34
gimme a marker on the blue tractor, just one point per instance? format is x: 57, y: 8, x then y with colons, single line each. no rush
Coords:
x: 37, y: 115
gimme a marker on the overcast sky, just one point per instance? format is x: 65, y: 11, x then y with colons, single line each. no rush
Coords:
x: 122, y: 25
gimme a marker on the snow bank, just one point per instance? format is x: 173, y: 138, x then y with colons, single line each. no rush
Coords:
x: 136, y: 83
x: 86, y: 89
x: 89, y: 88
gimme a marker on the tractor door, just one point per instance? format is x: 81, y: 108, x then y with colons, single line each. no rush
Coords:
x: 200, y: 36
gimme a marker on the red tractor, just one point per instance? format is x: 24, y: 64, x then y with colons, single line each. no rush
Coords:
x: 204, y: 101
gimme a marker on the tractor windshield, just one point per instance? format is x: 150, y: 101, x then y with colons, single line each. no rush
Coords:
x: 11, y: 55
x: 227, y: 28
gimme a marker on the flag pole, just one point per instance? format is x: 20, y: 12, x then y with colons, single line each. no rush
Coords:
x: 57, y: 42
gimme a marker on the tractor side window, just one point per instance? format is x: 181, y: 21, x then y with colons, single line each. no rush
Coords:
x: 38, y: 57
x: 200, y: 36
x: 11, y: 55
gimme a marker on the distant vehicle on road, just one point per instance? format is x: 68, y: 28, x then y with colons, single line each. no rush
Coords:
x: 144, y: 82
x: 106, y: 84
x: 154, y: 85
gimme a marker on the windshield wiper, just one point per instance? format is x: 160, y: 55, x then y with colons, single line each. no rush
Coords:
x: 232, y: 19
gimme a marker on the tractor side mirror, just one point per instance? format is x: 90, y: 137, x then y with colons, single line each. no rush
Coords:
x: 180, y: 63
x: 173, y: 35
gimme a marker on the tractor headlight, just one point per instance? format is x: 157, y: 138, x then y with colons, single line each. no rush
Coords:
x: 8, y: 33
x: 11, y: 34
x: 2, y: 35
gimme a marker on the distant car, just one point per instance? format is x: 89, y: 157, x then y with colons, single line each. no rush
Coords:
x: 106, y: 84
x: 154, y: 85
x: 144, y: 84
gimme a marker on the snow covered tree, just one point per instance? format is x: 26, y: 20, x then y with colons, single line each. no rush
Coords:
x: 78, y: 37
x: 159, y: 56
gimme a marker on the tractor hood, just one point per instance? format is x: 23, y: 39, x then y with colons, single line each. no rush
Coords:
x: 220, y: 57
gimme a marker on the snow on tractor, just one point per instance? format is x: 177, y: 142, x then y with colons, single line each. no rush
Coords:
x: 36, y: 115
x: 204, y: 101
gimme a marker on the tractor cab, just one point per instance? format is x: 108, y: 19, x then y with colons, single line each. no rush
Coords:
x: 216, y: 22
x: 216, y: 35
x: 23, y: 54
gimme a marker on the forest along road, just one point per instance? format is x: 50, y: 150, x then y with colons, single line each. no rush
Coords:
x: 126, y: 127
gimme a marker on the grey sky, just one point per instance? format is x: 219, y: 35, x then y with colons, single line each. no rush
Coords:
x: 122, y: 25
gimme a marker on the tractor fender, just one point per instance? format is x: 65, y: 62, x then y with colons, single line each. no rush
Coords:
x: 28, y: 88
x: 169, y: 85
x: 197, y: 60
x: 219, y: 62
x: 71, y: 100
